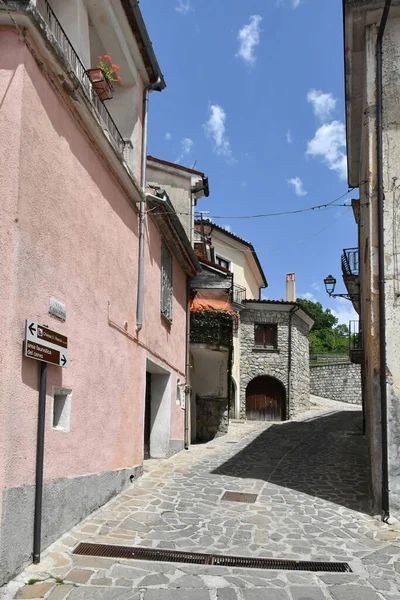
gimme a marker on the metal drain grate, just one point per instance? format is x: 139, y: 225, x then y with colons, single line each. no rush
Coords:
x: 156, y: 554
x: 239, y: 497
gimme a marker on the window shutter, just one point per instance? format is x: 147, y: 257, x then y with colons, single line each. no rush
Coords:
x: 259, y: 335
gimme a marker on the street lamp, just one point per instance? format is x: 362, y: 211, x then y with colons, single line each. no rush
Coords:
x: 330, y: 284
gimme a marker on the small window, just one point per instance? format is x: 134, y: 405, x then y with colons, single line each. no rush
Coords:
x: 223, y: 263
x: 61, y: 414
x: 166, y: 282
x: 266, y: 336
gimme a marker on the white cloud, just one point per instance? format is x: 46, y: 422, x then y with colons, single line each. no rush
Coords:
x: 329, y: 145
x: 323, y: 104
x: 308, y: 296
x: 186, y: 148
x: 345, y: 311
x: 295, y: 4
x: 249, y: 38
x: 298, y: 185
x: 289, y: 138
x: 215, y: 129
x: 227, y: 227
x: 183, y: 7
x: 315, y: 286
x: 168, y: 136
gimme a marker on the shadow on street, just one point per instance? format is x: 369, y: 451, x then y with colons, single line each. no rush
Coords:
x: 325, y: 457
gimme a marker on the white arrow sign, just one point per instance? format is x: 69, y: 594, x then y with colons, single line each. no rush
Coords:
x: 45, y: 344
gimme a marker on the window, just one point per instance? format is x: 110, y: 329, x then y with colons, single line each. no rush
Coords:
x: 166, y: 282
x: 223, y: 263
x: 266, y: 336
x: 61, y: 414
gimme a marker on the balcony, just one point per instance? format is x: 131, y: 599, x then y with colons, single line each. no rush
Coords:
x: 239, y: 295
x: 213, y: 328
x: 78, y: 73
x: 350, y: 271
x: 356, y: 345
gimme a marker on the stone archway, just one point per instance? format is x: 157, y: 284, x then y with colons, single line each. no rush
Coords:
x: 265, y: 399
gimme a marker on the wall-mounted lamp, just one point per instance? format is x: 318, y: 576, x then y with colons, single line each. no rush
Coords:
x: 330, y: 284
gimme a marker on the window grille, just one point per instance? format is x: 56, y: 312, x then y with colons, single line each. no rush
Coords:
x: 166, y: 282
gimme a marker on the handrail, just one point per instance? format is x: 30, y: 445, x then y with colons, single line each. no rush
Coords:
x: 350, y: 261
x: 80, y: 71
x: 239, y: 294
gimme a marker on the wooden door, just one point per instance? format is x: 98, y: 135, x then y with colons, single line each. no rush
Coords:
x: 147, y: 418
x: 265, y: 400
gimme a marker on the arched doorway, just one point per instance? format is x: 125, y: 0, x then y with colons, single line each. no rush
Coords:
x: 265, y: 399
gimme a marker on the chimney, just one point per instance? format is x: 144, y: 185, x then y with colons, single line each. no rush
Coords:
x: 290, y: 287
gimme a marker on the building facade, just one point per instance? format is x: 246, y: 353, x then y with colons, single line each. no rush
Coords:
x: 73, y: 182
x: 270, y: 363
x: 372, y: 54
x: 238, y: 257
x: 274, y: 360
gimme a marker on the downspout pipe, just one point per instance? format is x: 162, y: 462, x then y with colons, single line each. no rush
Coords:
x: 293, y: 310
x: 381, y: 262
x: 157, y: 85
x: 187, y: 370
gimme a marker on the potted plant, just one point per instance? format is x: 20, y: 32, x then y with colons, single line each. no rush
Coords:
x: 103, y: 76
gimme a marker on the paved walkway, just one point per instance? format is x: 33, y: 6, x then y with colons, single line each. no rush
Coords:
x: 311, y: 484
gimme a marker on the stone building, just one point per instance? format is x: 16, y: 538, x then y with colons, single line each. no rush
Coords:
x: 270, y: 363
x: 372, y: 269
x: 274, y: 360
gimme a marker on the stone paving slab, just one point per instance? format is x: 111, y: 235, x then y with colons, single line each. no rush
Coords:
x: 310, y: 477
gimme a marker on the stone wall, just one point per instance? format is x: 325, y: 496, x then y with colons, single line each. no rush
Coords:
x: 300, y: 375
x: 341, y: 382
x: 275, y: 363
x: 211, y: 417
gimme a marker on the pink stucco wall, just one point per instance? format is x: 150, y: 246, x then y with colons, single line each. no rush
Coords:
x: 68, y: 230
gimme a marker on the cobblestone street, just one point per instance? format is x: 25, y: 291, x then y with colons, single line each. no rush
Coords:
x: 310, y: 477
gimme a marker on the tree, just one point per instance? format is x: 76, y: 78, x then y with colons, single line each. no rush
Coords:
x: 326, y: 335
x: 324, y: 319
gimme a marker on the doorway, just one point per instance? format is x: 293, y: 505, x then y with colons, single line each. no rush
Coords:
x: 157, y: 412
x: 147, y: 418
x: 265, y: 400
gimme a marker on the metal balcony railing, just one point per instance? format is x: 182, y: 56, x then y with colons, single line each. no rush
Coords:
x: 239, y: 294
x: 80, y: 71
x: 350, y: 261
x: 355, y: 336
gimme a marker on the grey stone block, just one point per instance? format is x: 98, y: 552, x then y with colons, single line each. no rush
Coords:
x: 353, y: 592
x: 265, y: 594
x: 176, y: 595
x: 98, y: 593
x: 307, y: 593
x: 226, y: 594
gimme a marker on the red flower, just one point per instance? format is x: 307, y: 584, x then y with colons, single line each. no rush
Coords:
x: 107, y: 57
x: 119, y: 79
x: 100, y: 57
x: 115, y: 67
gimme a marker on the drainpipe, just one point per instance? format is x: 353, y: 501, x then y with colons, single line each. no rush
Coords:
x: 381, y: 261
x: 187, y: 369
x: 293, y: 310
x: 142, y: 214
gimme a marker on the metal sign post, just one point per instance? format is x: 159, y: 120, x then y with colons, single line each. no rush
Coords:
x: 37, y: 528
x: 46, y: 346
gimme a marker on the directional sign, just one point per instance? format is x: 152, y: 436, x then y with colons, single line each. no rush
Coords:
x: 45, y: 344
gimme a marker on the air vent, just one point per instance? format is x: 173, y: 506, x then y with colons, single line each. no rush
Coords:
x: 175, y: 556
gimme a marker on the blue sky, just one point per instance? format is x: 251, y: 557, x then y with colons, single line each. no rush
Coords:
x: 255, y: 96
